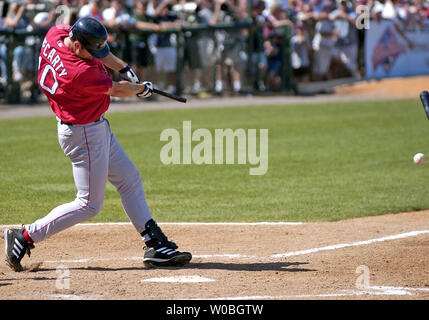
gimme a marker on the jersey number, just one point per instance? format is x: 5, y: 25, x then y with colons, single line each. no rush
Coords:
x: 54, y: 86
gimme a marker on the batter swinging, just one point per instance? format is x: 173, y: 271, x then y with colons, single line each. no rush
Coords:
x: 73, y: 76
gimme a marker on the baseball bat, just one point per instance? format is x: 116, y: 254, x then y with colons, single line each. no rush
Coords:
x: 169, y: 95
x: 424, y: 97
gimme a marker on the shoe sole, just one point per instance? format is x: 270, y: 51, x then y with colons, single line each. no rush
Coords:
x: 8, y: 262
x: 177, y: 261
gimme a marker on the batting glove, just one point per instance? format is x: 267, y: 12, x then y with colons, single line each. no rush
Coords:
x: 128, y: 74
x: 147, y: 92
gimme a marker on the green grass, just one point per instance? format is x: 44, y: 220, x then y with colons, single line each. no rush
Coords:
x: 326, y: 162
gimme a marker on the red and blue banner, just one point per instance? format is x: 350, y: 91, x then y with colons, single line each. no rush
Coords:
x: 388, y: 52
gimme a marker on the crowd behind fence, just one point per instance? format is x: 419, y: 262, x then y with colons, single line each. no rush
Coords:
x: 219, y: 47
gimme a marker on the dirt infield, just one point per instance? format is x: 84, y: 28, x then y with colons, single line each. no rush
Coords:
x: 393, y: 88
x: 330, y: 260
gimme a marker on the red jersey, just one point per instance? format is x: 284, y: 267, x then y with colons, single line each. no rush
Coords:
x: 75, y: 87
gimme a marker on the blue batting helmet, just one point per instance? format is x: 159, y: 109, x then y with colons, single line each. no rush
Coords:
x: 92, y: 35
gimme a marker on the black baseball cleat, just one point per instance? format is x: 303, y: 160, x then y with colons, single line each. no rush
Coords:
x: 159, y: 251
x: 165, y: 257
x: 16, y: 246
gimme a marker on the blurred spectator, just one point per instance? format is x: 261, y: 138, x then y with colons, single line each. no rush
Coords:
x: 93, y: 9
x: 141, y: 57
x: 306, y: 17
x: 284, y: 4
x: 116, y: 16
x: 3, y: 13
x: 192, y: 55
x: 277, y: 17
x: 24, y: 51
x: 3, y: 71
x: 273, y: 52
x: 346, y: 44
x: 206, y: 44
x: 259, y: 60
x: 38, y: 20
x: 323, y: 44
x: 316, y: 5
x: 116, y: 19
x: 300, y: 57
x: 305, y: 14
x: 229, y: 45
x: 81, y: 3
x: 425, y: 11
x: 17, y: 19
x: 376, y: 11
x: 418, y: 13
x: 410, y: 14
x: 389, y: 11
x: 274, y: 34
x: 163, y: 45
x: 71, y: 15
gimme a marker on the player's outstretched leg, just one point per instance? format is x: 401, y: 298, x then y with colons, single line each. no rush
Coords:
x: 16, y: 246
x: 159, y: 251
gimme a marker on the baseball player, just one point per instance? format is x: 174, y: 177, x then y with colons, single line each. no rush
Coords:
x: 73, y: 76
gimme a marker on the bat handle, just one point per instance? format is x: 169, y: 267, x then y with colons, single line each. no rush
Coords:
x: 169, y: 95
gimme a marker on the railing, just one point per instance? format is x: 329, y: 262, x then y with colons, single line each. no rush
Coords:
x: 240, y: 37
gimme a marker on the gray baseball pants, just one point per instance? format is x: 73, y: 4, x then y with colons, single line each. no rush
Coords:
x: 97, y: 157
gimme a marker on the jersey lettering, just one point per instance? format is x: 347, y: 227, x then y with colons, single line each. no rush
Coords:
x: 54, y: 86
x: 52, y: 56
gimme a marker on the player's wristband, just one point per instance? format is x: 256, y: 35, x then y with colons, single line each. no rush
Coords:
x: 126, y: 69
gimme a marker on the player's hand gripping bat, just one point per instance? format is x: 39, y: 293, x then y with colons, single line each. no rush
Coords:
x: 169, y: 95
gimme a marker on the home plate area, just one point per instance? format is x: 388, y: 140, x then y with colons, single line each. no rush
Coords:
x: 382, y: 257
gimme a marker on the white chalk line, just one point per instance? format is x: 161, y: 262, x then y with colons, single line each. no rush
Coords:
x: 96, y: 224
x: 179, y: 279
x: 353, y: 244
x: 261, y: 258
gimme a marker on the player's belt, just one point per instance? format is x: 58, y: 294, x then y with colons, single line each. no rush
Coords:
x: 70, y: 124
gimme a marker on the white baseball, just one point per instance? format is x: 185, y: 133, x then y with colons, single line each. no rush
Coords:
x: 419, y: 158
